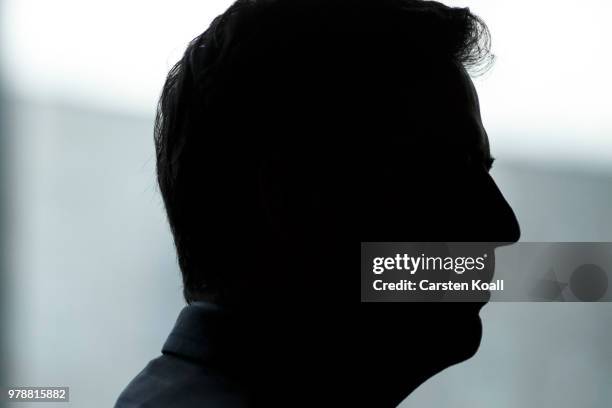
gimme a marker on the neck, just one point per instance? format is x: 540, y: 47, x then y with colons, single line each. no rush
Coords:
x: 314, y: 361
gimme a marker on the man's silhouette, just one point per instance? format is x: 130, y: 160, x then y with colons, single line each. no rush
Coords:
x: 289, y: 132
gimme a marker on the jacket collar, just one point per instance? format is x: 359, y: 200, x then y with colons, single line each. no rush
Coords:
x: 198, y: 333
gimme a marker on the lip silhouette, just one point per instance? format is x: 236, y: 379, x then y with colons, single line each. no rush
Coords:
x: 487, y: 275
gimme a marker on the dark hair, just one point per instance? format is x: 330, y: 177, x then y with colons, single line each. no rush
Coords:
x: 225, y: 80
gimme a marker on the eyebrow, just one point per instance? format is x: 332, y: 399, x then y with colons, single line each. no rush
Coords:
x: 489, y: 162
x: 482, y: 157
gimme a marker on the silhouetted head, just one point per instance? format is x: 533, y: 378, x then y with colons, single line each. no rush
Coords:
x: 293, y: 130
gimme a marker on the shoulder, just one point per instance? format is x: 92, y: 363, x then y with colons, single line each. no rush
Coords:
x: 171, y: 381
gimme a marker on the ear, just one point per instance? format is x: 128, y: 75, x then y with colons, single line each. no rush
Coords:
x: 291, y: 195
x: 272, y: 196
x: 272, y: 201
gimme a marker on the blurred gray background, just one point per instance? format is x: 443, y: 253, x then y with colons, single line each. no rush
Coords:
x: 91, y: 285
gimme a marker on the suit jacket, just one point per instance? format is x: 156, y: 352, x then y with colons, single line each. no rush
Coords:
x: 193, y: 368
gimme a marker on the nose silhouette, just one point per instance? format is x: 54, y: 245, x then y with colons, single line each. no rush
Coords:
x: 480, y: 213
x: 500, y: 224
x: 446, y: 205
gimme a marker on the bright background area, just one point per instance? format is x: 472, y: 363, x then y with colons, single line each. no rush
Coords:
x: 93, y: 287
